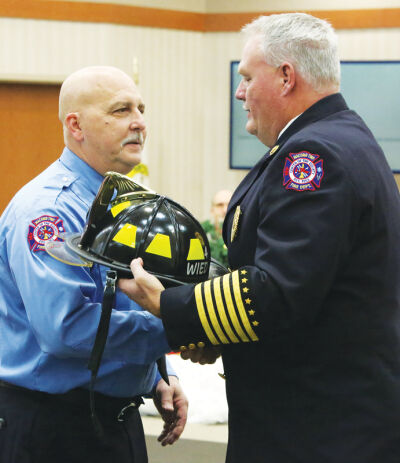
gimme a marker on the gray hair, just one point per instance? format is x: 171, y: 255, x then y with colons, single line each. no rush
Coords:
x: 308, y: 43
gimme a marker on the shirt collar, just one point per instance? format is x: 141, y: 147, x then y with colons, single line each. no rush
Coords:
x: 82, y: 169
x: 287, y: 125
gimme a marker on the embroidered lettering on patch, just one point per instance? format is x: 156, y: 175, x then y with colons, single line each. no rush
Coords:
x: 303, y: 171
x: 42, y: 229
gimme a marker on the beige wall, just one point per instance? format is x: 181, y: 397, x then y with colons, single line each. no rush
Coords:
x: 218, y: 6
x: 184, y: 78
x: 199, y: 6
x: 222, y: 6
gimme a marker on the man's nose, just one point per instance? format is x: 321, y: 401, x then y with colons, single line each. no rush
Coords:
x: 138, y: 122
x: 240, y: 91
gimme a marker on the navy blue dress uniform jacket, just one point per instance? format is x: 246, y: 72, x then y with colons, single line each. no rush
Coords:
x: 309, y: 319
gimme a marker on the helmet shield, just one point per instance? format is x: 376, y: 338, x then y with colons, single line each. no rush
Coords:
x: 140, y: 223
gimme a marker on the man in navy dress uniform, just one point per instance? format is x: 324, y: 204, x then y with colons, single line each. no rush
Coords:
x: 308, y: 320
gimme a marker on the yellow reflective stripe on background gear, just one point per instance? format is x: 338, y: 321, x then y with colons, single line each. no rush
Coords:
x: 202, y: 315
x: 231, y: 308
x: 242, y: 310
x: 211, y: 313
x: 127, y: 235
x: 221, y: 310
x: 115, y: 210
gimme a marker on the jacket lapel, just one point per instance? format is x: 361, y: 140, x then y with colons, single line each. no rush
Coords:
x: 321, y: 109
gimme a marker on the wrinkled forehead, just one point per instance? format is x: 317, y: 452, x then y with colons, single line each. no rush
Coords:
x: 95, y: 87
x: 101, y: 89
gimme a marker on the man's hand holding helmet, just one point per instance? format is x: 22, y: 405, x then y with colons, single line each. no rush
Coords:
x: 144, y: 288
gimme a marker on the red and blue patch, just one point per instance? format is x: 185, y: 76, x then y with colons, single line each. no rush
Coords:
x: 42, y: 229
x: 303, y: 171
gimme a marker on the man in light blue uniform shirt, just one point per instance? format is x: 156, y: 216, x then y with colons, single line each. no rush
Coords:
x: 49, y: 311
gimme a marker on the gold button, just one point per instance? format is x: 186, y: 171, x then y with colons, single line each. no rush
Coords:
x: 192, y: 346
x: 200, y: 344
x: 183, y: 348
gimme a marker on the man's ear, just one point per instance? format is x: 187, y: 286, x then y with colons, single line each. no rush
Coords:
x: 288, y: 77
x: 73, y: 126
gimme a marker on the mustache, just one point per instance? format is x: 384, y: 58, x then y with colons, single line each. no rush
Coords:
x: 137, y: 137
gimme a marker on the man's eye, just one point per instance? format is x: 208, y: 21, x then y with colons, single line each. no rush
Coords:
x: 121, y: 110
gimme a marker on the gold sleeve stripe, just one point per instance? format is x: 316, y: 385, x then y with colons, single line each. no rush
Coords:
x: 202, y: 315
x: 211, y: 313
x: 231, y: 308
x: 221, y: 310
x: 241, y: 309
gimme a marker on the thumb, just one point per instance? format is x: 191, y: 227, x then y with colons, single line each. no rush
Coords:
x: 166, y: 399
x: 137, y: 267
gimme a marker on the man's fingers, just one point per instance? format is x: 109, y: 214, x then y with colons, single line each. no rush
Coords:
x: 201, y: 355
x: 173, y: 430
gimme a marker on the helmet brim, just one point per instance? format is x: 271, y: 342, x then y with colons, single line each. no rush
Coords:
x: 70, y: 252
x: 64, y: 252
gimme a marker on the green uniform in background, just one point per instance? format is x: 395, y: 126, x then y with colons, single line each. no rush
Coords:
x: 218, y: 249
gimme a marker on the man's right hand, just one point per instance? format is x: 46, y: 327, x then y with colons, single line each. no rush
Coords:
x: 144, y: 288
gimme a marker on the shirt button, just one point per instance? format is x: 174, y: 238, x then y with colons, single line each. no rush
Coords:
x: 183, y: 348
x: 200, y: 344
x: 3, y: 423
x: 192, y: 346
x: 65, y: 179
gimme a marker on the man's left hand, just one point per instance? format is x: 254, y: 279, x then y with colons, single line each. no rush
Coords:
x: 172, y: 405
x: 203, y: 355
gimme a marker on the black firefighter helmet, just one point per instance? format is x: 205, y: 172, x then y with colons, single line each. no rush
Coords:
x: 128, y: 220
x: 125, y: 221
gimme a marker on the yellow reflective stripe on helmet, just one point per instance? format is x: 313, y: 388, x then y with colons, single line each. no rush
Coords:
x: 160, y: 245
x: 211, y: 313
x: 240, y: 306
x: 202, y: 315
x: 231, y: 309
x: 127, y: 235
x: 195, y: 250
x: 221, y: 310
x: 115, y: 210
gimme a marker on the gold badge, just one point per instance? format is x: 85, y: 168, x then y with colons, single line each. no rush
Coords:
x: 274, y: 150
x: 235, y: 224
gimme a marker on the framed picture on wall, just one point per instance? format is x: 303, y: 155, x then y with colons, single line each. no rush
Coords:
x: 371, y: 88
x: 244, y: 149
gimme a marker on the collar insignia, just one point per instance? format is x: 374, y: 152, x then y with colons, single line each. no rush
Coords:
x: 274, y: 150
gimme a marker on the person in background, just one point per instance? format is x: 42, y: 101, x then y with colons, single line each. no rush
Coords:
x: 49, y: 311
x: 213, y: 227
x: 308, y: 321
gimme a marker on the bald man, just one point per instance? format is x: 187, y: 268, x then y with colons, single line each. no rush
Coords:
x: 49, y: 311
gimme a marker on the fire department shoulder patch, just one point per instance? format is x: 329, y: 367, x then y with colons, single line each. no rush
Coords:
x: 303, y: 171
x: 42, y: 229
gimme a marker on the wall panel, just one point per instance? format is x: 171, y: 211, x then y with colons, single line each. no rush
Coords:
x: 184, y: 78
x: 30, y: 134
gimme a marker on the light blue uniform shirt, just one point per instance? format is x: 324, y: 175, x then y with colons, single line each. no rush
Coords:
x: 49, y: 311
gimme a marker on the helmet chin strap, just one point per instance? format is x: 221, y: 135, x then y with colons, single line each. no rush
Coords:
x: 100, y: 342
